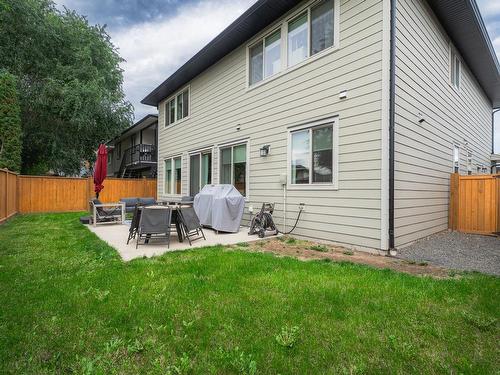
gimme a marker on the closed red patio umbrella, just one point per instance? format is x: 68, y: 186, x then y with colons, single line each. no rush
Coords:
x: 100, y: 169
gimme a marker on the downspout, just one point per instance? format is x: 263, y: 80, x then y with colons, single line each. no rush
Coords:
x: 392, y: 112
x: 493, y: 135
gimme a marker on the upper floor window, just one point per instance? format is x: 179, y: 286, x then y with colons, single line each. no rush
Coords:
x: 305, y: 35
x: 265, y: 57
x: 297, y: 39
x: 318, y: 21
x: 177, y: 107
x: 455, y: 70
x: 313, y: 155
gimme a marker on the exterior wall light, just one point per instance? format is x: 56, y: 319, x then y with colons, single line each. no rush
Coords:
x: 264, y: 151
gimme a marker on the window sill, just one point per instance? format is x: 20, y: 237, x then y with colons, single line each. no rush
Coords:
x: 177, y: 122
x: 290, y: 69
x: 312, y: 187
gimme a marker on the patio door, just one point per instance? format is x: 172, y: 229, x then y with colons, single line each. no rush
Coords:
x: 200, y: 171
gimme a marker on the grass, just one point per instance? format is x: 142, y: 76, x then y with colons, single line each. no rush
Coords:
x: 70, y: 305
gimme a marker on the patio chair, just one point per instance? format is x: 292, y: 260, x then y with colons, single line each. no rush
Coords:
x: 190, y: 224
x: 130, y: 204
x: 154, y: 223
x: 134, y: 226
x: 107, y: 213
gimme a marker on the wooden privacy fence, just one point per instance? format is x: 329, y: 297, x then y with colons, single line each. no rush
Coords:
x: 8, y: 194
x: 28, y: 194
x: 475, y: 203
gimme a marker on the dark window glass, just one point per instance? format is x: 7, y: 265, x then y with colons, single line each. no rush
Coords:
x: 194, y: 175
x: 256, y: 63
x: 322, y: 26
x: 322, y: 154
x: 226, y: 162
x: 185, y: 101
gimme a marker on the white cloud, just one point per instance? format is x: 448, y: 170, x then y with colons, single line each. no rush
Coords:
x: 154, y: 50
x: 489, y: 8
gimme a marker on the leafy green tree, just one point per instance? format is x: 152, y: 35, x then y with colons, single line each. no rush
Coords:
x: 10, y: 123
x: 70, y: 84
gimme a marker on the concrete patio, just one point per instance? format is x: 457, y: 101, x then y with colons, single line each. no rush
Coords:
x: 116, y: 236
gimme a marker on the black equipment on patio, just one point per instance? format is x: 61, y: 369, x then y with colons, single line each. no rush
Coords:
x: 263, y: 221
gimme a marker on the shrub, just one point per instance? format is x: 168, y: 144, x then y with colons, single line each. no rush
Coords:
x: 321, y: 248
x: 10, y: 123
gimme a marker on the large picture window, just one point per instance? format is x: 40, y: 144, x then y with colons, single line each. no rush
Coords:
x: 177, y: 108
x: 173, y: 176
x: 313, y: 155
x: 233, y: 167
x: 200, y: 171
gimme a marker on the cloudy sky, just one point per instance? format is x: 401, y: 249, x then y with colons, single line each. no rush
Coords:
x: 156, y: 37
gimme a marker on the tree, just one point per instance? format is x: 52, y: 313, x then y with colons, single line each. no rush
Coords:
x: 10, y: 123
x: 69, y: 80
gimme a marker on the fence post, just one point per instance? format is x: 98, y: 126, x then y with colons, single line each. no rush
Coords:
x: 454, y: 201
x: 89, y: 189
x: 6, y: 193
x: 497, y: 201
x: 17, y: 193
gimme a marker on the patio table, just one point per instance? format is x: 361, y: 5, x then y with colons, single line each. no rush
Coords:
x: 175, y: 218
x: 176, y: 202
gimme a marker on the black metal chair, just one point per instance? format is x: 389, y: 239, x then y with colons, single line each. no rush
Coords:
x: 154, y: 223
x: 134, y: 226
x: 190, y: 224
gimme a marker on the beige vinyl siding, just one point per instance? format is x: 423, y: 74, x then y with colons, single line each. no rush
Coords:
x: 220, y: 102
x: 424, y: 152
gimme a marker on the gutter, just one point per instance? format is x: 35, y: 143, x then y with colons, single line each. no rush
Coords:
x: 392, y: 115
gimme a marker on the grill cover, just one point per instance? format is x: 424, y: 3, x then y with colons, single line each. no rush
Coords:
x: 220, y: 207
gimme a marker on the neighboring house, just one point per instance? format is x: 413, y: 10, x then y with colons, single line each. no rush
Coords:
x: 311, y: 102
x: 134, y: 153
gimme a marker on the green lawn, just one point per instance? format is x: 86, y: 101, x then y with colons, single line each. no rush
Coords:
x: 68, y: 304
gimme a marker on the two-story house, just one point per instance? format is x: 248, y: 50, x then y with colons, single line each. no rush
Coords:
x: 359, y: 110
x: 134, y: 152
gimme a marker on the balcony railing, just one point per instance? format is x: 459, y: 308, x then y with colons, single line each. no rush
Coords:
x: 139, y: 154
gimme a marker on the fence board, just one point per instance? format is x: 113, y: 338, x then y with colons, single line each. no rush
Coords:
x: 116, y: 188
x: 8, y: 194
x: 29, y: 194
x: 475, y: 203
x: 61, y: 194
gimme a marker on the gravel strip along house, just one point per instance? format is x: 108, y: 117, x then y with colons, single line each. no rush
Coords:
x: 359, y: 110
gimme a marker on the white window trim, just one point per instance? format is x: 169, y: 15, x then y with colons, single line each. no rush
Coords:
x: 283, y: 24
x: 202, y: 151
x: 454, y: 55
x: 247, y: 171
x: 171, y: 158
x: 174, y: 96
x: 335, y: 156
x: 457, y: 146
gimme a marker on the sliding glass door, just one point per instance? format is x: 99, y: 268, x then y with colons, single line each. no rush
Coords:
x: 200, y: 171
